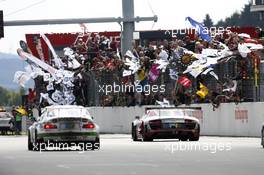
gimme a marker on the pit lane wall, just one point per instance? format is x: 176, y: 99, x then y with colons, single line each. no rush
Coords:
x: 244, y: 119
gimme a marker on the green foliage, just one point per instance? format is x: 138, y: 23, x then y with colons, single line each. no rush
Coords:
x: 245, y: 18
x: 9, y: 97
x: 208, y: 22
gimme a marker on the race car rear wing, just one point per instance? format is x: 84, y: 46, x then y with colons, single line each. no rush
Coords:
x: 191, y: 108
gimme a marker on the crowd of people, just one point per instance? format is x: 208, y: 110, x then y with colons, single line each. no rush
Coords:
x: 102, y: 64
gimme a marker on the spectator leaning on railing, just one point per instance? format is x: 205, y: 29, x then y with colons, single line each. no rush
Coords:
x: 101, y: 64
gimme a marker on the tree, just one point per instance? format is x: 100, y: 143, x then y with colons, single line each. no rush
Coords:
x: 3, y: 96
x: 221, y: 23
x: 245, y: 18
x: 249, y: 18
x: 9, y: 97
x: 208, y: 22
x: 234, y: 20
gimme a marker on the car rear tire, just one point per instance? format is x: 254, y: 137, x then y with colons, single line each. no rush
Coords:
x: 194, y: 138
x: 38, y: 143
x: 30, y: 145
x: 184, y: 139
x: 147, y: 139
x: 85, y: 146
x: 144, y: 137
x: 96, y: 144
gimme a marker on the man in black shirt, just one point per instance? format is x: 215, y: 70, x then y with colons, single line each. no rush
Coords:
x: 189, y: 44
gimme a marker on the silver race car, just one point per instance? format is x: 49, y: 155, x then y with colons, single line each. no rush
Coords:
x: 63, y: 127
x: 166, y: 123
x: 6, y: 122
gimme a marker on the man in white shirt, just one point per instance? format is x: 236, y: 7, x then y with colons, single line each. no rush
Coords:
x: 162, y: 54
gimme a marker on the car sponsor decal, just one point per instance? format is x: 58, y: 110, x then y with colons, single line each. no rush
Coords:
x: 152, y: 113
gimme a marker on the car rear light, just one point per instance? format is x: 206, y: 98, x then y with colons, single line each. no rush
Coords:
x: 50, y: 126
x: 89, y: 126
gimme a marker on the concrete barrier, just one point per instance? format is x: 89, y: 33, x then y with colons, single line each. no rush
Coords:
x: 244, y: 119
x: 115, y: 119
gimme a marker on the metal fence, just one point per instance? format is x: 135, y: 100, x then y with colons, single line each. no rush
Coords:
x: 230, y: 70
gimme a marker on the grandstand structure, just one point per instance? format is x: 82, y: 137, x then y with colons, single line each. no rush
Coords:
x: 258, y: 6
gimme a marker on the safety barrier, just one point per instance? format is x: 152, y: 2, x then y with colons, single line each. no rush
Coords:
x: 244, y: 119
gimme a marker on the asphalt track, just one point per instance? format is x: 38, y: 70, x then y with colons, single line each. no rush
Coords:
x: 119, y: 155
